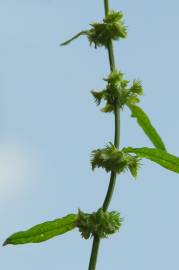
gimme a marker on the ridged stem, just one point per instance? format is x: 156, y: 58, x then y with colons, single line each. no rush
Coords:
x: 107, y: 200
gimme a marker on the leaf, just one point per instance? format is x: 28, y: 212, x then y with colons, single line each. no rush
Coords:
x: 144, y: 121
x: 44, y: 231
x: 161, y: 157
x: 85, y: 32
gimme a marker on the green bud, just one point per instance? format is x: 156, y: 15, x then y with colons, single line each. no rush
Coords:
x: 113, y: 16
x: 115, y: 77
x: 132, y: 99
x: 112, y: 28
x: 117, y: 92
x: 137, y: 87
x: 100, y: 223
x: 98, y: 96
x: 133, y: 165
x: 108, y: 108
x: 108, y: 158
x: 124, y: 83
x: 113, y: 160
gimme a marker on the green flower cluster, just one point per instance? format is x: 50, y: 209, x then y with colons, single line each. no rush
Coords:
x: 101, y: 34
x: 117, y: 90
x: 112, y: 28
x: 113, y: 160
x: 100, y: 223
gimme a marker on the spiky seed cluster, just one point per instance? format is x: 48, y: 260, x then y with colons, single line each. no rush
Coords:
x: 108, y: 158
x: 117, y: 91
x: 130, y: 96
x: 100, y: 34
x: 99, y: 223
x: 113, y: 160
x: 111, y: 93
x: 112, y: 28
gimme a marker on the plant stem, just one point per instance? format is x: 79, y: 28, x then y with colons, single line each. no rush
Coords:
x: 94, y: 253
x: 112, y: 182
x: 106, y: 7
x: 107, y: 200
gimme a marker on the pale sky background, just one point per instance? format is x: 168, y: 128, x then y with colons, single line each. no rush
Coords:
x: 49, y: 124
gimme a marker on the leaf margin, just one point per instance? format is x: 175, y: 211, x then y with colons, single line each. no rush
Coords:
x: 37, y: 233
x: 144, y: 122
x: 161, y: 157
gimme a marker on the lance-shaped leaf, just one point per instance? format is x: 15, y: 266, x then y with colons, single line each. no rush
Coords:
x: 82, y: 33
x: 144, y: 121
x: 44, y: 231
x: 161, y: 157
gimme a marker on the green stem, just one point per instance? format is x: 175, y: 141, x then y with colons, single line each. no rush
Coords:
x: 111, y: 56
x: 94, y: 253
x: 107, y: 200
x: 112, y: 182
x: 109, y: 191
x: 106, y: 7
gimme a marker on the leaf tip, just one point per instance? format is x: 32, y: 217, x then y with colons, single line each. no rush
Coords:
x: 63, y: 44
x: 5, y: 243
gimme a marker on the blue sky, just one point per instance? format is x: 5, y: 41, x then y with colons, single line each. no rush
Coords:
x: 49, y: 124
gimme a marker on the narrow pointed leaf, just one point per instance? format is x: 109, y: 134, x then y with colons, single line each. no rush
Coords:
x: 145, y: 123
x: 44, y: 231
x: 161, y: 157
x: 74, y: 37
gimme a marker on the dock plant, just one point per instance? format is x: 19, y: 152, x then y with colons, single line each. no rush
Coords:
x: 117, y: 93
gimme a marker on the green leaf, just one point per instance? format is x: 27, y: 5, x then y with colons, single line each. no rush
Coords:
x: 161, y: 157
x: 85, y: 32
x: 44, y: 231
x: 144, y: 121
